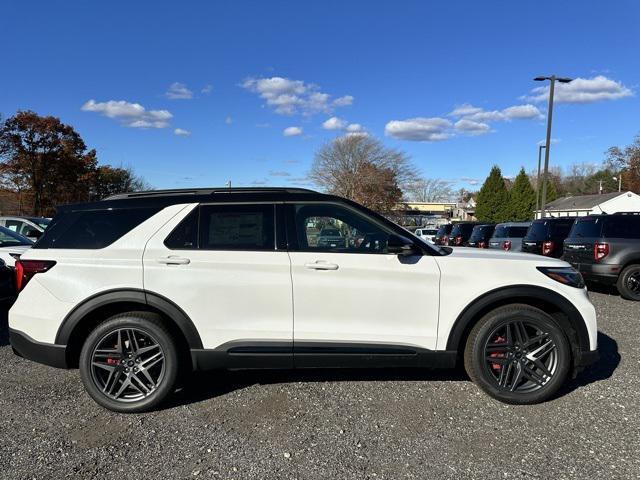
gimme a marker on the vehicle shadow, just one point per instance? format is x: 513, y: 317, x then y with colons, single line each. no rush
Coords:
x: 602, y: 288
x: 601, y: 370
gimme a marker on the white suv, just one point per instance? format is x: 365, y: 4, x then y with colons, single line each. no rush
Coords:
x: 135, y: 288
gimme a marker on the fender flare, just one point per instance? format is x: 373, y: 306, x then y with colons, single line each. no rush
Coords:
x: 518, y: 294
x: 142, y: 297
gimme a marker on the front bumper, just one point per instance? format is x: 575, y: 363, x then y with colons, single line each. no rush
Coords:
x: 46, y: 353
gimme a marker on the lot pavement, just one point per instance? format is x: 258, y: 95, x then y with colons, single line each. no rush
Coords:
x: 326, y: 424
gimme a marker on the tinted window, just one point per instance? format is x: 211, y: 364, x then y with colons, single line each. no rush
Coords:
x: 517, y: 232
x: 444, y: 229
x: 587, y: 228
x: 481, y: 231
x: 561, y: 229
x: 538, y: 230
x: 185, y: 235
x: 14, y: 225
x: 462, y: 229
x: 352, y: 233
x: 500, y: 232
x: 92, y: 229
x: 237, y: 227
x: 622, y: 227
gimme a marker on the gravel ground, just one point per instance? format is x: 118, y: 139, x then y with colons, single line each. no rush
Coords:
x: 331, y: 424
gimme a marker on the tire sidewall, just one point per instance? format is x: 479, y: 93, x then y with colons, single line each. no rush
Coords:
x: 159, y: 334
x: 622, y: 283
x: 484, y: 378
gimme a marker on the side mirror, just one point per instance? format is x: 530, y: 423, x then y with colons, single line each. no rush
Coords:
x: 402, y: 246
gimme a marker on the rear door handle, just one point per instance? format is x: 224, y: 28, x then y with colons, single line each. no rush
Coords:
x: 174, y: 260
x: 321, y: 266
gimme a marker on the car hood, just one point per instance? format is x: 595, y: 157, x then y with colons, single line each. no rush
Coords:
x: 488, y: 254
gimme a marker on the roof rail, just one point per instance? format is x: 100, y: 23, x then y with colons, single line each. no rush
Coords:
x: 206, y: 191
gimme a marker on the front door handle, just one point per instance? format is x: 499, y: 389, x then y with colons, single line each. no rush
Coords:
x: 319, y: 265
x: 174, y: 260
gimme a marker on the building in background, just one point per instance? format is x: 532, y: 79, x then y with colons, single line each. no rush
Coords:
x: 582, y: 205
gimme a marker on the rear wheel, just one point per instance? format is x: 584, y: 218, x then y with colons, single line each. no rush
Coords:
x: 629, y: 283
x: 129, y: 363
x: 517, y: 354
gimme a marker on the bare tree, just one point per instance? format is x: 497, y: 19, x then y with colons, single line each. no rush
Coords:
x: 362, y: 169
x: 429, y: 190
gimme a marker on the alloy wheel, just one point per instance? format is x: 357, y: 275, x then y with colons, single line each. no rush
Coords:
x: 520, y: 357
x: 127, y: 364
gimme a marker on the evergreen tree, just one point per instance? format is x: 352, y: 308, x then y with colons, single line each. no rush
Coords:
x: 522, y: 198
x: 493, y: 198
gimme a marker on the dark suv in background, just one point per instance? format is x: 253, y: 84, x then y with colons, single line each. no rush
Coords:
x: 460, y: 233
x: 546, y: 236
x: 480, y: 236
x: 606, y: 249
x: 442, y: 237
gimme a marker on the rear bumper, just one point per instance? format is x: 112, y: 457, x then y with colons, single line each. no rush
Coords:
x: 45, y: 353
x: 597, y: 272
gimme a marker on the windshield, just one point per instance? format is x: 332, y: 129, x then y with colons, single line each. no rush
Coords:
x: 9, y: 238
x: 41, y: 222
x: 587, y: 228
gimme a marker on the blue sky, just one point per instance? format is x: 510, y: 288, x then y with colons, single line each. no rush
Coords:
x: 197, y: 93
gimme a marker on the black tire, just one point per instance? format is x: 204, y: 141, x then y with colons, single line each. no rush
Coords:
x: 491, y: 377
x: 629, y: 283
x: 158, y: 352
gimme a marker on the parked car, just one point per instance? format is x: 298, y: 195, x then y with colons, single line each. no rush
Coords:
x: 606, y: 249
x: 442, y: 236
x: 428, y: 234
x: 460, y: 233
x: 138, y: 287
x: 30, y: 227
x: 508, y: 236
x: 7, y: 285
x: 546, y: 236
x: 12, y: 245
x: 480, y: 236
x: 331, y: 238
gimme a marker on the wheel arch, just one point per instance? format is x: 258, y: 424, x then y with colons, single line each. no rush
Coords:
x: 563, y: 311
x: 97, y: 308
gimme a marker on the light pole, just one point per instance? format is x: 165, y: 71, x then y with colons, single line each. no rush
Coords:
x: 538, y: 180
x: 552, y: 79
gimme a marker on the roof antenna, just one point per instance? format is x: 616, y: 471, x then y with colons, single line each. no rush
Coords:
x: 229, y: 184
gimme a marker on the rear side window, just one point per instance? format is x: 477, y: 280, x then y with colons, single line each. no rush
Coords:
x: 92, y: 229
x: 622, y: 227
x: 587, y: 228
x: 225, y: 227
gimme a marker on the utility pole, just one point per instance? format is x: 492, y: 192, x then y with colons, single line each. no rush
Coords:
x: 552, y: 79
x: 538, y: 180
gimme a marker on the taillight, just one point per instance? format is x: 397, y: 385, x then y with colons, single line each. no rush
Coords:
x: 445, y: 240
x: 458, y: 240
x: 482, y: 244
x: 506, y: 245
x: 547, y: 248
x: 600, y: 250
x: 26, y: 269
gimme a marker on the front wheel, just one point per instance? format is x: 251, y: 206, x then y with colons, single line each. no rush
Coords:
x: 518, y: 354
x: 129, y: 363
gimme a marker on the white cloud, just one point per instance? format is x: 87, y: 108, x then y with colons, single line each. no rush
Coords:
x: 334, y: 123
x: 292, y: 131
x: 464, y: 110
x: 207, y: 89
x: 129, y: 114
x: 182, y: 132
x: 419, y: 129
x: 178, y: 91
x: 471, y: 127
x: 582, y: 90
x: 355, y: 128
x: 516, y: 112
x: 279, y: 173
x: 288, y: 97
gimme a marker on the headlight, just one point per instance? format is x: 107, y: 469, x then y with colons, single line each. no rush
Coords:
x: 566, y: 275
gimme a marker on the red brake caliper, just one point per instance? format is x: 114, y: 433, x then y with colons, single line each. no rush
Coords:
x: 496, y: 366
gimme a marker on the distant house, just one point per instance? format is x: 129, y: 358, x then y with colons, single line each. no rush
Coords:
x: 465, y: 211
x: 582, y: 205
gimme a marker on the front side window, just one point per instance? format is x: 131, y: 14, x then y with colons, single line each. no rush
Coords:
x: 333, y: 228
